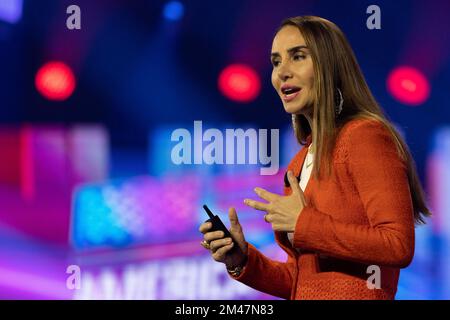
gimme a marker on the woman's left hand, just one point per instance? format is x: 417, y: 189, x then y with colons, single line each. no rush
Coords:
x: 281, y: 211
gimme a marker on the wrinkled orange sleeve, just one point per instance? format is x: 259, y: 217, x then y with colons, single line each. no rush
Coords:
x: 267, y: 275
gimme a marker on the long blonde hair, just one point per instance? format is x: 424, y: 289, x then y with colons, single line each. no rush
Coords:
x: 335, y: 66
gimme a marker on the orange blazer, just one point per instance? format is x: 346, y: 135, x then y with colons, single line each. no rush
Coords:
x: 361, y: 216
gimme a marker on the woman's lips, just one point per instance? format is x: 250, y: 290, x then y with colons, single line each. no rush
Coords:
x: 290, y: 97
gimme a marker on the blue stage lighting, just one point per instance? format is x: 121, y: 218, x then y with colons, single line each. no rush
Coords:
x: 11, y: 10
x: 173, y: 10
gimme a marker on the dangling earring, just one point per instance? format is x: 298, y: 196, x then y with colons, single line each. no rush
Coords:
x: 293, y: 121
x: 338, y: 108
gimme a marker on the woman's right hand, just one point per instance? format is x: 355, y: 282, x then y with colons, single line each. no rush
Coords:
x: 220, y: 247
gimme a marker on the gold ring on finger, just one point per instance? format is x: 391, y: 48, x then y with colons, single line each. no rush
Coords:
x: 205, y: 245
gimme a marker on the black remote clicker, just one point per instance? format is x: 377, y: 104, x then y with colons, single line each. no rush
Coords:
x: 217, y: 225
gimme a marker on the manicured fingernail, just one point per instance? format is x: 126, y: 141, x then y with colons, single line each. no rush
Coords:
x: 246, y: 201
x: 290, y: 173
x: 228, y: 240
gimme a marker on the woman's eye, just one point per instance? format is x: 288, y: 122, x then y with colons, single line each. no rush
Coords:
x: 275, y: 63
x: 299, y: 57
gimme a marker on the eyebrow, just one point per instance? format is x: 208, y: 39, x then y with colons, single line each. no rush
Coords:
x: 290, y: 50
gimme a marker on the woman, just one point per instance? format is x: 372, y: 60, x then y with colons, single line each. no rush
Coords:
x: 352, y: 214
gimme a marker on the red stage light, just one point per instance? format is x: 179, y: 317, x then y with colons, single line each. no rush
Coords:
x: 55, y: 81
x: 239, y: 83
x: 408, y: 85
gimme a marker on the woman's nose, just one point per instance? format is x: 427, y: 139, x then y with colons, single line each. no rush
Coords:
x: 284, y: 73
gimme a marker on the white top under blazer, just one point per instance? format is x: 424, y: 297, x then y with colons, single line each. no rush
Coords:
x: 304, y: 178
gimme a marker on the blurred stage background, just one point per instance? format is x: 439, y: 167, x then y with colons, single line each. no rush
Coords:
x: 86, y: 119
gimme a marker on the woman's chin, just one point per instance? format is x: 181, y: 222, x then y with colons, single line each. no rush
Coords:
x: 292, y: 109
